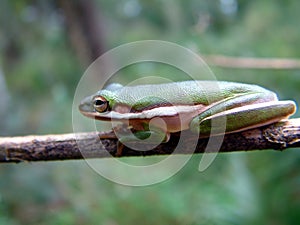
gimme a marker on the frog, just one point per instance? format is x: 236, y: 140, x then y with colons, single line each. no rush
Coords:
x: 186, y: 105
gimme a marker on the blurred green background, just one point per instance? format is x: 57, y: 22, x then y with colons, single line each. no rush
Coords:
x: 45, y: 46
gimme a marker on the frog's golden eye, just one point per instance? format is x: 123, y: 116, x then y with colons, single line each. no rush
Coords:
x: 100, y: 104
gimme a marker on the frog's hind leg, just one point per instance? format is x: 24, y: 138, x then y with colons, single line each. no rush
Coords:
x: 241, y: 113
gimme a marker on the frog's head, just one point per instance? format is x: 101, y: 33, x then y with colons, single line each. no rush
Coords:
x: 100, y: 103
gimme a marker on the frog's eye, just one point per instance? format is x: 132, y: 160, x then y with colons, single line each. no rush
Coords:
x: 100, y: 104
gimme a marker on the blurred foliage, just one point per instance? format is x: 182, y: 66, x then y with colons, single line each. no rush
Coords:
x: 41, y: 70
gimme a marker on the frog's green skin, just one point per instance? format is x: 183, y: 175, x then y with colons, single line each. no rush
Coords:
x: 190, y: 105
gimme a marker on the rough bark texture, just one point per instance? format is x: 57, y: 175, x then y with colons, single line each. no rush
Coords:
x: 279, y: 136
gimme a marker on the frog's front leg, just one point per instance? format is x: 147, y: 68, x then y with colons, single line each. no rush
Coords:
x: 112, y: 135
x: 125, y: 134
x: 155, y: 135
x: 242, y: 113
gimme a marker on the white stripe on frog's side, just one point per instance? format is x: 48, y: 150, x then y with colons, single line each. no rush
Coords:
x: 155, y: 112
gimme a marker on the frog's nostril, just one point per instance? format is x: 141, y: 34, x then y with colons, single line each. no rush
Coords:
x: 84, y: 107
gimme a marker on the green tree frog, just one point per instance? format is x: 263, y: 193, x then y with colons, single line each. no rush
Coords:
x: 186, y: 105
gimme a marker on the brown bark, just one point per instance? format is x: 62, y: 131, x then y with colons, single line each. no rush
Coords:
x: 282, y: 135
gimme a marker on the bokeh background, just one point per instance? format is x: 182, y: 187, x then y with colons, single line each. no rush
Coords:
x: 45, y: 46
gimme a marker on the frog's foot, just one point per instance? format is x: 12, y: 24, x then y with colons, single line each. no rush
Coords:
x: 120, y: 148
x: 150, y: 137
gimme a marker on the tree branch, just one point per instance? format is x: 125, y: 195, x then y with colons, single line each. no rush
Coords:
x: 251, y: 63
x: 282, y: 135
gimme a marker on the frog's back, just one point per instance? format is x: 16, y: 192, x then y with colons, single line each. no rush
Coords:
x: 182, y: 93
